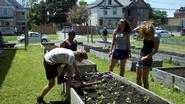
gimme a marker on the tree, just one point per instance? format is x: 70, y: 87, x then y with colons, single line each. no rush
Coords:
x: 157, y: 15
x: 29, y: 3
x: 57, y: 10
x: 82, y: 2
x: 37, y: 14
x: 78, y: 15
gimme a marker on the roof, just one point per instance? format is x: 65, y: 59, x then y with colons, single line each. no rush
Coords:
x: 16, y: 4
x: 4, y: 3
x: 122, y: 2
x: 95, y: 3
x: 125, y: 2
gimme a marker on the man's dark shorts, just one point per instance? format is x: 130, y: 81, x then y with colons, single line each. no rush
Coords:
x: 120, y: 54
x: 51, y: 70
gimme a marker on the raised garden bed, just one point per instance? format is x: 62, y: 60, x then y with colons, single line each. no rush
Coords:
x: 48, y: 47
x: 87, y: 66
x: 7, y: 45
x: 171, y: 56
x: 131, y: 64
x: 87, y: 46
x: 109, y: 88
x: 172, y: 76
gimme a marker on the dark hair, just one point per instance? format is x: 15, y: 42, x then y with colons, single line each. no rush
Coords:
x: 71, y: 32
x: 127, y: 28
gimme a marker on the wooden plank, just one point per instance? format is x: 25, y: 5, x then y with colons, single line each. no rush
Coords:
x: 75, y: 98
x: 162, y: 76
x: 141, y: 89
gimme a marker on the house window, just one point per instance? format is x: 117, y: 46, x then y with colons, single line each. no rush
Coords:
x: 5, y: 23
x: 114, y: 11
x: 5, y: 11
x: 110, y: 2
x: 105, y: 12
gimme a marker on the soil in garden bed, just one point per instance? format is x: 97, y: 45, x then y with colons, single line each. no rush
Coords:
x: 105, y: 89
x: 179, y: 72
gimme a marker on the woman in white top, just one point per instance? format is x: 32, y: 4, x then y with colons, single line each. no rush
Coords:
x: 53, y: 59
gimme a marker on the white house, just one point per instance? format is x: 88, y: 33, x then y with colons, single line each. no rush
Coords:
x: 12, y: 17
x: 105, y: 13
x: 108, y: 12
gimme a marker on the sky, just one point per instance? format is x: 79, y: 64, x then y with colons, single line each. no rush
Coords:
x: 169, y: 5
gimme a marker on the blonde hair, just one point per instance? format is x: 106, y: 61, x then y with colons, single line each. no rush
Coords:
x: 82, y: 53
x: 145, y: 28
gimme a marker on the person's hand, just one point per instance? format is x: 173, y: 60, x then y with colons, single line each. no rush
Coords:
x: 129, y: 54
x: 110, y: 53
x: 144, y: 58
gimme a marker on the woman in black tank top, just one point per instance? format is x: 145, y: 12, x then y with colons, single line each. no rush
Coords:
x: 150, y: 47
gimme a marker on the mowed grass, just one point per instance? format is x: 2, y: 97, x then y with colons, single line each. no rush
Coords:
x: 22, y: 76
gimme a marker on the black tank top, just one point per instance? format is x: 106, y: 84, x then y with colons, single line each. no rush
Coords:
x: 148, y: 46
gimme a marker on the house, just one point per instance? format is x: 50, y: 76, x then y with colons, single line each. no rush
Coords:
x: 109, y: 12
x: 180, y: 13
x: 12, y: 17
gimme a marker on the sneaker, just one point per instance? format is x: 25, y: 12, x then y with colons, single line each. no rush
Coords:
x: 40, y: 100
x: 61, y: 79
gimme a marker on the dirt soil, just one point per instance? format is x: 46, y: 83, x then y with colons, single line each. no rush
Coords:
x: 104, y: 89
x: 179, y: 71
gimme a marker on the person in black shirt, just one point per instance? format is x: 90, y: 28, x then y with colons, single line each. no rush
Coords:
x: 105, y: 33
x: 150, y: 47
x: 70, y: 42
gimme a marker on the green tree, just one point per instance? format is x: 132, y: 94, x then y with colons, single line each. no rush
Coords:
x: 82, y: 2
x: 78, y: 15
x: 57, y: 10
x: 28, y: 3
x: 157, y: 15
x: 37, y: 14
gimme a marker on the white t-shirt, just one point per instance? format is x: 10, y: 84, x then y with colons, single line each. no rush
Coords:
x: 60, y: 55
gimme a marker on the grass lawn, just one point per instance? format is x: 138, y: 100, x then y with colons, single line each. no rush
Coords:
x: 22, y: 77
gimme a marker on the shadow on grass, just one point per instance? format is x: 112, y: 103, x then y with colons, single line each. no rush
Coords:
x: 6, y: 58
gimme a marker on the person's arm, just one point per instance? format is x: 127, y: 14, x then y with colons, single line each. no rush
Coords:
x: 112, y: 43
x: 63, y: 44
x: 128, y: 41
x: 76, y: 43
x: 77, y: 72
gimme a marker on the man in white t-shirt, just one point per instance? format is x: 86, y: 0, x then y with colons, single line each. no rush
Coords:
x: 53, y: 59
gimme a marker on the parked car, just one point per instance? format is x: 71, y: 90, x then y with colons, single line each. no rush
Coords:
x: 183, y: 31
x: 163, y: 33
x: 33, y: 37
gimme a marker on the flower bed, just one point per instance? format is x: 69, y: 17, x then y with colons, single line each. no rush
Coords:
x: 110, y: 88
x: 172, y: 76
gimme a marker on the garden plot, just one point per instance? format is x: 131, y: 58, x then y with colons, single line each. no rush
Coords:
x: 88, y: 46
x: 48, y: 46
x: 171, y: 56
x: 172, y: 76
x: 131, y: 63
x: 109, y: 88
x: 87, y: 66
